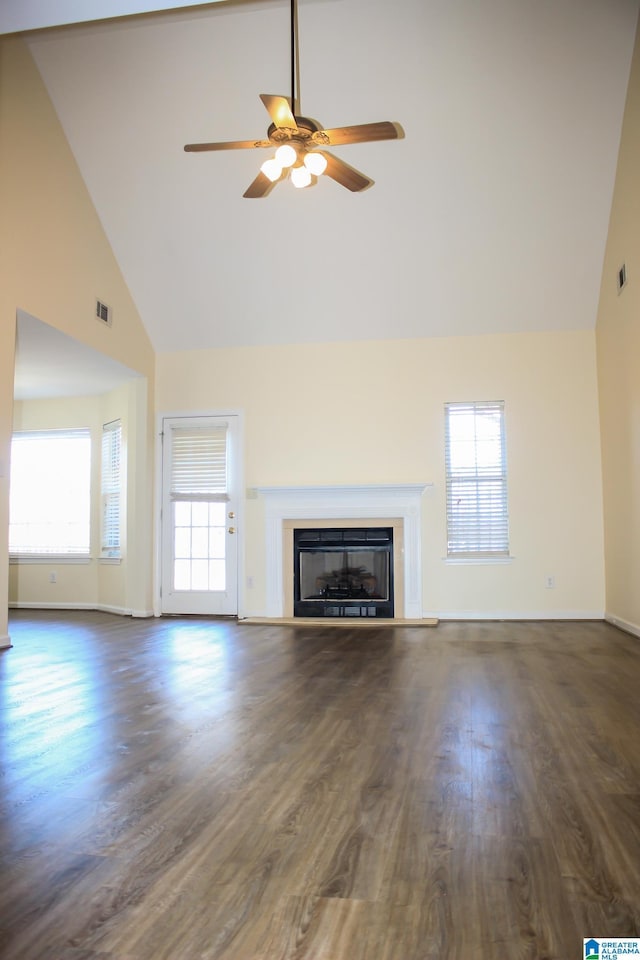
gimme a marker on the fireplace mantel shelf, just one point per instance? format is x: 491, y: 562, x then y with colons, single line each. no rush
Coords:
x: 353, y: 502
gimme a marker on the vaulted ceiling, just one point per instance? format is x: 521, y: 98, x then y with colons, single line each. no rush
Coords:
x: 490, y: 215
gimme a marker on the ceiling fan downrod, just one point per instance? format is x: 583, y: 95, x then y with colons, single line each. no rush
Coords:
x: 294, y: 105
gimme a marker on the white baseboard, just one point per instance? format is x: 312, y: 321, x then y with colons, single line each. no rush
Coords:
x: 5, y: 642
x: 38, y: 605
x: 516, y: 614
x: 103, y: 607
x: 625, y: 625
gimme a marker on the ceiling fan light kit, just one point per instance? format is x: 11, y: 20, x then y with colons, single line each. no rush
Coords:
x: 296, y: 140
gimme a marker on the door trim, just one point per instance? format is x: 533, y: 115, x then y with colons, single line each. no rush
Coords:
x: 157, y: 499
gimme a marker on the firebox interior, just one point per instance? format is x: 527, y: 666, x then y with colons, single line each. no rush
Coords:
x: 343, y: 572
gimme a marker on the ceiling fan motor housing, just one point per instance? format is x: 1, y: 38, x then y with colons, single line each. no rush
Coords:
x: 303, y: 131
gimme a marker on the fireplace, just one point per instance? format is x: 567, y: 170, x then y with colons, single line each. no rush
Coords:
x: 373, y: 505
x: 343, y: 572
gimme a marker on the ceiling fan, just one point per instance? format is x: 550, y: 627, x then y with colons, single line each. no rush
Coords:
x: 296, y: 140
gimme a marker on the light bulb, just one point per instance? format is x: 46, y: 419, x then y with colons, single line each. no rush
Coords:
x: 315, y: 163
x: 271, y: 169
x: 300, y: 177
x: 286, y: 155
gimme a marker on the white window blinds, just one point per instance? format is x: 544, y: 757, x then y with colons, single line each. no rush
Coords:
x: 476, y: 476
x: 50, y: 493
x: 199, y: 463
x: 111, y: 488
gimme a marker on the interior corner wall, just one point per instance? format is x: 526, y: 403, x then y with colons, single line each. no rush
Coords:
x: 125, y: 586
x: 618, y: 346
x: 55, y: 259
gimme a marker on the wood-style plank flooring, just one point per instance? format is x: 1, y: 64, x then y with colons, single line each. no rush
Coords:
x: 204, y: 790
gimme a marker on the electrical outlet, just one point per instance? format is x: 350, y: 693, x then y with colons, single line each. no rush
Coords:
x: 53, y: 577
x: 550, y: 582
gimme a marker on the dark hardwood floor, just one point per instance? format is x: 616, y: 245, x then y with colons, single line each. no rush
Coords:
x: 201, y: 790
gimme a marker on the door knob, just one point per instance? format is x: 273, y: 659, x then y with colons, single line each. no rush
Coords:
x: 232, y: 529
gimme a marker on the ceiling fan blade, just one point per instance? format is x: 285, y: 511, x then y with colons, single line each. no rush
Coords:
x: 361, y: 133
x: 279, y: 110
x: 226, y: 145
x: 259, y: 187
x: 344, y: 174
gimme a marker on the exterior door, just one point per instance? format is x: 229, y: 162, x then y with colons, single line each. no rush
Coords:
x: 199, y: 511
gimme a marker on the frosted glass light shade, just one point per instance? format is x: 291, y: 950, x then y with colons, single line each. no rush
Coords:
x: 286, y: 155
x: 300, y: 177
x: 271, y: 169
x: 315, y: 163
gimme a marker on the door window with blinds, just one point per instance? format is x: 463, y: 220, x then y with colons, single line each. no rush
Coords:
x: 199, y: 494
x: 476, y: 480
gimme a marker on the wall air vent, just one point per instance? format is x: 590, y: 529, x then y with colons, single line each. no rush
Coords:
x: 622, y: 277
x: 103, y: 313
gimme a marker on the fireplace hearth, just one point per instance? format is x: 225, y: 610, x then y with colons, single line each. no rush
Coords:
x: 343, y: 572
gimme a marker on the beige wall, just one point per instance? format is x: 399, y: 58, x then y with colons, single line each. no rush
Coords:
x: 373, y: 413
x: 618, y: 340
x: 54, y: 256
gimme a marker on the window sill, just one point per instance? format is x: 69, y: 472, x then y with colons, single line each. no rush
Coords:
x: 110, y: 560
x: 50, y: 558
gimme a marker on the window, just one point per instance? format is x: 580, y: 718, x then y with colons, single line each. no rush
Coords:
x: 111, y: 486
x: 50, y: 494
x: 199, y: 492
x: 476, y: 469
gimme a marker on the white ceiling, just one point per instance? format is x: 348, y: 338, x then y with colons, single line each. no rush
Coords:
x: 490, y: 215
x: 51, y: 364
x: 19, y: 15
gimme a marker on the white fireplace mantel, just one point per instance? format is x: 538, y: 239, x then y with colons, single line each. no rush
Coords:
x: 361, y: 502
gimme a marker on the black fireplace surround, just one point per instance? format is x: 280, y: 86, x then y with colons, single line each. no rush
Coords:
x: 343, y: 572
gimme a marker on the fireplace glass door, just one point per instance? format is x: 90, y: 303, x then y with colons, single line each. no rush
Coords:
x: 343, y: 572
